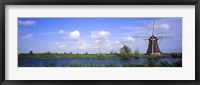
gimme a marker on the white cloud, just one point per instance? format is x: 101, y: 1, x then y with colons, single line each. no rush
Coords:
x: 109, y: 45
x: 82, y: 45
x: 99, y: 35
x: 61, y: 32
x: 162, y: 26
x: 28, y: 36
x: 26, y: 22
x: 60, y: 45
x: 97, y: 41
x: 128, y: 39
x: 117, y: 42
x: 75, y: 35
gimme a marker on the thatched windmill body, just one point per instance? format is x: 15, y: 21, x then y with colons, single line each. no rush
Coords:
x: 153, y: 45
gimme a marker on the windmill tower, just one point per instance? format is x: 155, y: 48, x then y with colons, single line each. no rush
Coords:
x: 153, y: 45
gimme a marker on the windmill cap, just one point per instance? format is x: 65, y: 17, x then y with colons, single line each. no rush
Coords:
x: 153, y: 37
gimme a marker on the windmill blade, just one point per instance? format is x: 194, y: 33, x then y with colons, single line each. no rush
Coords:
x: 162, y: 37
x: 140, y: 36
x: 146, y: 41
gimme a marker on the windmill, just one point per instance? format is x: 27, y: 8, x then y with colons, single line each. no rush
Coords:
x: 153, y: 45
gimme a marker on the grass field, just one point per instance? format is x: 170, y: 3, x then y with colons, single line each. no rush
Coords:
x: 86, y: 56
x: 65, y: 56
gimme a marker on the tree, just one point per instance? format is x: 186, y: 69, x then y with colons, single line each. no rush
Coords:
x: 70, y: 53
x: 111, y: 52
x: 86, y: 53
x: 48, y: 52
x: 137, y: 53
x: 125, y: 51
x: 31, y: 52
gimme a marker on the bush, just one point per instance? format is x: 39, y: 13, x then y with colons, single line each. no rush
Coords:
x: 102, y: 55
x: 125, y: 52
x: 176, y: 55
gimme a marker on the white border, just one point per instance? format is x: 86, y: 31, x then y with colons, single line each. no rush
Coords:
x: 187, y: 72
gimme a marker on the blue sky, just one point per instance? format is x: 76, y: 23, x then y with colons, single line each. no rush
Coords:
x: 94, y: 35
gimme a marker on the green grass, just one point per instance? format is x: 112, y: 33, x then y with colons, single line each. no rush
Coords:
x: 87, y: 56
x: 67, y: 56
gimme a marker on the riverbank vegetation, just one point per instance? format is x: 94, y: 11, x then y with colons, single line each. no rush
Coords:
x: 125, y: 53
x: 151, y: 63
x: 93, y: 56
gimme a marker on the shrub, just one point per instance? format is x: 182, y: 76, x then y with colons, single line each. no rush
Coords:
x: 125, y: 51
x: 101, y: 55
x: 176, y: 55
